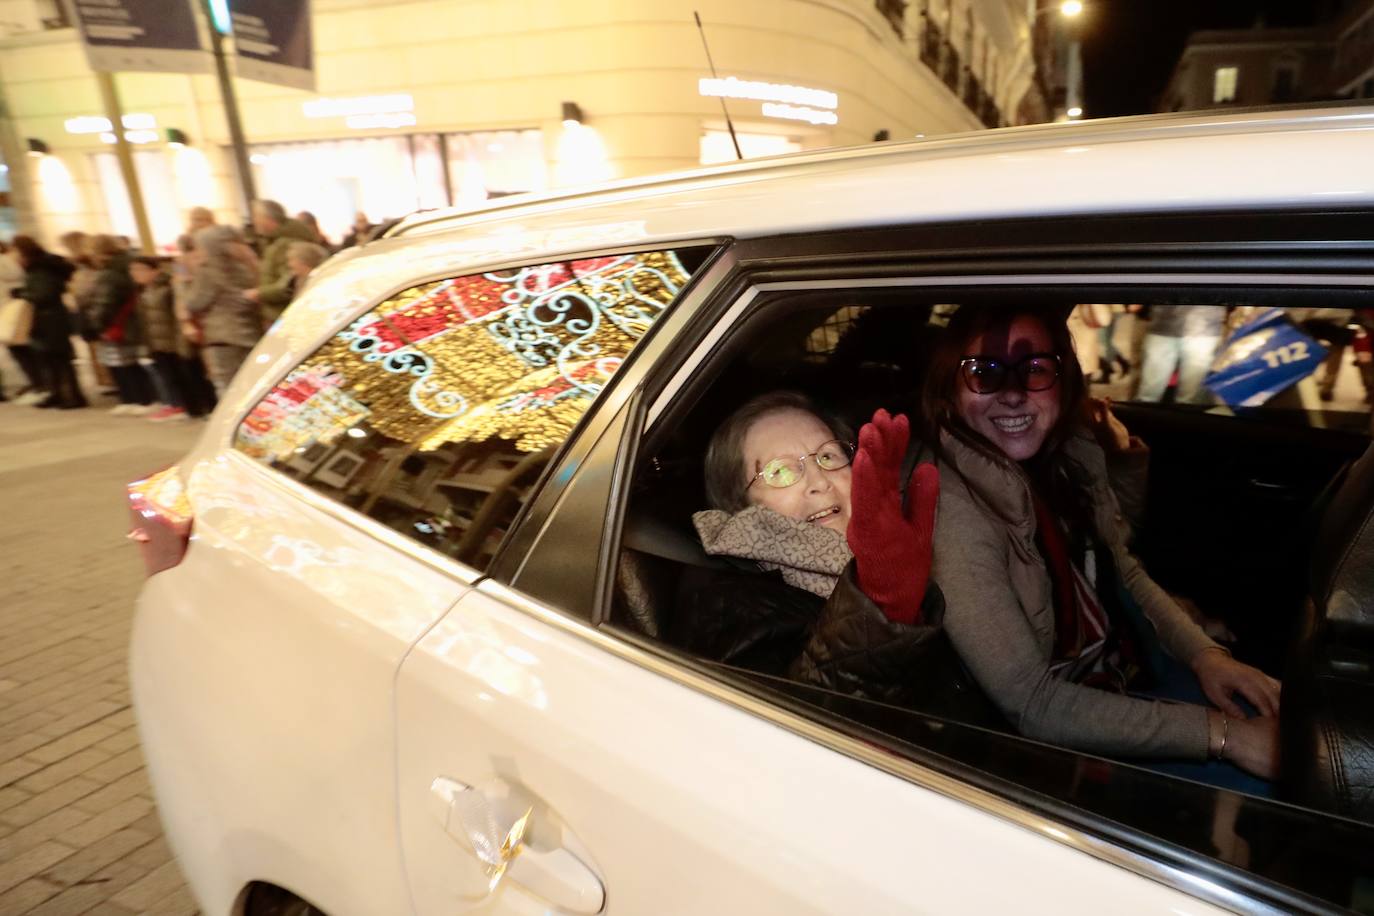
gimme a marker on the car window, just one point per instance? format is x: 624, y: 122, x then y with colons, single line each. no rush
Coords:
x: 1294, y: 362
x: 435, y: 412
x: 1239, y: 491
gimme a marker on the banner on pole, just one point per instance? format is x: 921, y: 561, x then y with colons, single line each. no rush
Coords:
x: 273, y: 42
x: 157, y: 35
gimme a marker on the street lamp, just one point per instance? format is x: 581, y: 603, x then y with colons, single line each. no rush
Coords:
x: 1073, y: 65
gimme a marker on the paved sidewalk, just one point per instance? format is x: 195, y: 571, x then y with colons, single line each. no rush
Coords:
x: 78, y: 830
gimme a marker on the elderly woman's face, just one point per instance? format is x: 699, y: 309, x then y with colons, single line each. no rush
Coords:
x: 1013, y: 419
x: 820, y: 497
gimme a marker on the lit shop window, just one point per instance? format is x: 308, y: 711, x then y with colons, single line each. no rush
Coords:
x: 495, y: 163
x: 435, y: 412
x: 157, y: 182
x: 716, y: 146
x: 1224, y: 84
x: 382, y: 177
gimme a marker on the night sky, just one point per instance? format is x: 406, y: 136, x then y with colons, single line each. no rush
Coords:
x: 1130, y: 46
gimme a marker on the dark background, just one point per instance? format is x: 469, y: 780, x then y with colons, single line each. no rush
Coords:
x: 1130, y: 46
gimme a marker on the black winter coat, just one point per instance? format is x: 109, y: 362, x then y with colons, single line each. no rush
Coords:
x: 111, y: 304
x: 44, y: 283
x: 754, y: 620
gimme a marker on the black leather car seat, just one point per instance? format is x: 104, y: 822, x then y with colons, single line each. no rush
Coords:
x: 1328, y: 690
x: 653, y: 555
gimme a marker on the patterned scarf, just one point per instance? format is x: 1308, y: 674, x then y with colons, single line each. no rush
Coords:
x: 810, y: 557
x: 1087, y: 648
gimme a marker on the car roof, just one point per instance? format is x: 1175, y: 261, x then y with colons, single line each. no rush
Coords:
x: 1259, y: 159
x: 1247, y: 161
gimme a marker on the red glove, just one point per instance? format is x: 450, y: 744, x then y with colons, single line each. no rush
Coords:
x: 892, y: 549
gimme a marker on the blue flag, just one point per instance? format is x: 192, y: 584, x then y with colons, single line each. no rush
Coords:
x: 1263, y: 357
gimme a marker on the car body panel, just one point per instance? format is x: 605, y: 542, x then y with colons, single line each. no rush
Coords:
x: 271, y: 665
x: 686, y: 802
x: 279, y: 623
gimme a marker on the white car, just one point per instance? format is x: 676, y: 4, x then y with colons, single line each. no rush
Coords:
x: 405, y: 646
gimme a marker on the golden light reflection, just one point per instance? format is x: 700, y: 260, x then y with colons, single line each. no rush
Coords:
x: 515, y: 356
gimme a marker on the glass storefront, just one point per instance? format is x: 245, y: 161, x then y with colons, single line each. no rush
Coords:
x: 161, y: 201
x: 716, y: 146
x: 386, y: 177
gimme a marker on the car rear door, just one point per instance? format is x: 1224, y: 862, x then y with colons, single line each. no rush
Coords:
x: 546, y: 766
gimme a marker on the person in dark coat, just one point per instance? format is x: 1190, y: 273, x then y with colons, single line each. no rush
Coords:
x: 109, y: 317
x: 45, y: 279
x: 173, y: 357
x: 812, y: 593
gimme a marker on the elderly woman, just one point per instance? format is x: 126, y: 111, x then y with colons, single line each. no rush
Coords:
x: 1030, y: 553
x: 229, y: 322
x: 814, y: 595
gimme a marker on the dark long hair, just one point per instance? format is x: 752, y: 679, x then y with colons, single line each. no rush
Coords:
x: 1057, y: 478
x: 28, y: 251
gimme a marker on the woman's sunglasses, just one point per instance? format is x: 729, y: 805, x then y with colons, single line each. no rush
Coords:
x: 986, y: 375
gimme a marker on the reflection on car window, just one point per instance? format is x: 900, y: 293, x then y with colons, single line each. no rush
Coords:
x: 435, y: 412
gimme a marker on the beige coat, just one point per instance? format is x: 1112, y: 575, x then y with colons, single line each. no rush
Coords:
x: 1000, y: 613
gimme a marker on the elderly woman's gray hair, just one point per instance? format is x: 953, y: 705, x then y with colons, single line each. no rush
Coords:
x: 725, y: 478
x: 308, y: 253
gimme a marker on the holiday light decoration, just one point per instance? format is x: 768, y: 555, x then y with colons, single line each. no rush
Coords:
x: 513, y: 355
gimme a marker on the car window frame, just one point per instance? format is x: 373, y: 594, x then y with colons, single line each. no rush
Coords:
x: 786, y: 265
x: 361, y: 521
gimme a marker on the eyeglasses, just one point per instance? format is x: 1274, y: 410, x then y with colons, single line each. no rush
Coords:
x: 784, y: 472
x: 986, y: 375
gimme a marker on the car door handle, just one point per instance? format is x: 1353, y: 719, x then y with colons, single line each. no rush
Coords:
x: 500, y: 831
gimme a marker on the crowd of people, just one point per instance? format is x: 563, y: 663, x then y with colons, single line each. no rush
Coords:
x: 1143, y: 348
x: 164, y: 336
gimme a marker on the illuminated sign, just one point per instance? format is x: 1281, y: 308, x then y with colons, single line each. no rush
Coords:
x: 358, y: 105
x: 133, y: 136
x: 384, y: 119
x: 799, y: 113
x: 94, y: 124
x: 793, y: 103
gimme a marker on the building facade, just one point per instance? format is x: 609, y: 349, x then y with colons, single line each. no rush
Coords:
x: 429, y: 103
x: 1267, y: 66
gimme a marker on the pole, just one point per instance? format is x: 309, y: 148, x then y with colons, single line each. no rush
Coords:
x: 723, y: 110
x: 1074, y: 91
x: 109, y: 97
x: 231, y: 115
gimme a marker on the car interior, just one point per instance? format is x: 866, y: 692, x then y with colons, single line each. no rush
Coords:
x: 1260, y: 518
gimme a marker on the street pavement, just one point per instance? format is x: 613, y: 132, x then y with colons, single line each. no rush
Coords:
x: 78, y: 828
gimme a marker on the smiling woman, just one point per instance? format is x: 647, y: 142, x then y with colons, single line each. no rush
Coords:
x: 1041, y: 589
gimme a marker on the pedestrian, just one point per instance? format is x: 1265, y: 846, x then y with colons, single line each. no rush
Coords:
x: 33, y: 388
x: 1182, y: 338
x: 228, y: 318
x: 307, y: 219
x: 276, y: 233
x: 301, y: 259
x: 360, y: 233
x: 198, y: 218
x: 1332, y: 327
x: 109, y: 318
x: 199, y: 393
x: 46, y: 276
x: 162, y: 336
x: 77, y: 244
